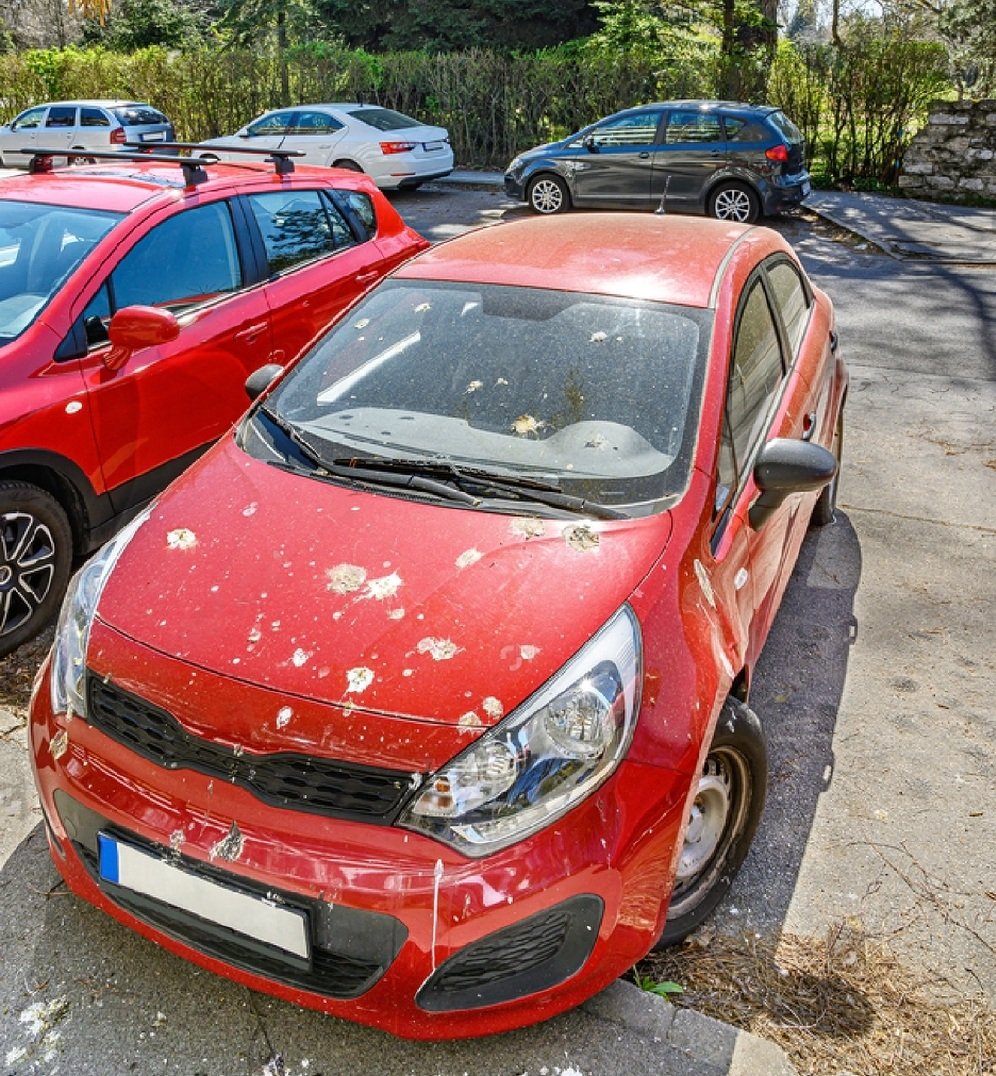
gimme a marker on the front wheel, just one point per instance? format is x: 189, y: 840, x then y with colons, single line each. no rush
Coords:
x: 36, y: 553
x: 724, y: 815
x: 826, y: 504
x: 548, y: 194
x: 735, y: 202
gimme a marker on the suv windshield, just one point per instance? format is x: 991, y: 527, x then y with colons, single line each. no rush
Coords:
x: 40, y: 245
x: 596, y: 397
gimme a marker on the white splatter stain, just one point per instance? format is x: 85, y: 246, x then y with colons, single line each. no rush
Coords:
x: 599, y: 338
x: 527, y: 528
x: 230, y: 846
x: 362, y: 323
x: 387, y: 586
x: 468, y: 557
x: 527, y: 426
x: 300, y: 657
x: 527, y: 652
x: 181, y: 538
x: 254, y: 636
x: 60, y: 744
x: 581, y: 537
x: 469, y: 720
x: 176, y: 840
x: 250, y: 509
x: 473, y: 386
x: 396, y: 614
x: 422, y: 308
x: 407, y: 672
x: 358, y: 679
x: 284, y: 714
x: 705, y: 582
x: 440, y: 649
x: 346, y: 578
x: 493, y: 707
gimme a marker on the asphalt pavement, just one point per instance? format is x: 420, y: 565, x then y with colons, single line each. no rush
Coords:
x: 78, y: 994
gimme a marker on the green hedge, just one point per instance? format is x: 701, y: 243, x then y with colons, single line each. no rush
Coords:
x: 856, y: 103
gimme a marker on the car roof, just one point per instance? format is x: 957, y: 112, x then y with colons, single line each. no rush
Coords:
x: 121, y: 188
x: 95, y: 101
x: 709, y: 106
x: 663, y: 258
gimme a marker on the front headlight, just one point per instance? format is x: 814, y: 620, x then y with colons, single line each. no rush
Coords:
x: 546, y: 756
x: 72, y: 632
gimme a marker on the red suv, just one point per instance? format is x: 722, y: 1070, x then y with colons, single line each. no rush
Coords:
x: 136, y: 296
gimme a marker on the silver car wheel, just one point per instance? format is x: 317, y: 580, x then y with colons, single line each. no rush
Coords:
x: 547, y: 194
x: 734, y: 203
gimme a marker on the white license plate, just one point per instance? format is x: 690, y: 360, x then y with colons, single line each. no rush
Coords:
x: 155, y: 136
x: 130, y: 867
x: 429, y: 147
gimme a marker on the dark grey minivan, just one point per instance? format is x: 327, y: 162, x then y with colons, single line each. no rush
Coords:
x: 728, y: 160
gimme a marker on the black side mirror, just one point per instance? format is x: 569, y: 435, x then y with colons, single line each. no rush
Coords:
x: 589, y: 143
x: 259, y: 380
x: 785, y: 467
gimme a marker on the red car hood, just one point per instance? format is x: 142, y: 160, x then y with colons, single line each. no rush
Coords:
x: 369, y: 601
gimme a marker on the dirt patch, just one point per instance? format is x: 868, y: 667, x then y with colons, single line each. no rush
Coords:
x: 840, y: 1004
x: 17, y: 673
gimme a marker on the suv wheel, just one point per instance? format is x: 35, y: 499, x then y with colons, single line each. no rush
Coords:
x: 736, y: 202
x: 36, y: 553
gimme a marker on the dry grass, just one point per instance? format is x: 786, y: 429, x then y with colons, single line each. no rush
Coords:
x: 837, y: 1005
x: 17, y: 671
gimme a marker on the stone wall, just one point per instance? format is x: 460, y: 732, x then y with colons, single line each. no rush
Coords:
x: 954, y: 156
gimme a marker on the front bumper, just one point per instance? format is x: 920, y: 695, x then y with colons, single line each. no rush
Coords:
x: 403, y: 932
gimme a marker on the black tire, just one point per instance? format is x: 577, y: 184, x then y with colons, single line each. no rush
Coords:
x: 548, y: 194
x: 826, y: 504
x: 36, y: 555
x: 735, y: 202
x: 347, y: 166
x: 724, y: 817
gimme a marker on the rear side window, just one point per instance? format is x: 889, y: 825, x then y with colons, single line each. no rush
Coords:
x: 93, y: 117
x: 297, y: 227
x: 187, y: 259
x: 693, y: 127
x: 314, y: 123
x: 138, y: 115
x: 739, y: 130
x: 791, y: 299
x: 363, y: 209
x: 385, y: 119
x: 785, y: 127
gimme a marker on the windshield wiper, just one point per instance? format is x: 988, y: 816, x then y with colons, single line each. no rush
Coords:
x: 335, y: 468
x: 484, y: 482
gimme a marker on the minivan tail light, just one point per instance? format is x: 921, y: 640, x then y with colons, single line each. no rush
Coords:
x: 118, y: 136
x: 777, y: 153
x: 396, y: 147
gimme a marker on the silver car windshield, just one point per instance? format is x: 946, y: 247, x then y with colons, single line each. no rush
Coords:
x: 40, y: 245
x: 599, y: 396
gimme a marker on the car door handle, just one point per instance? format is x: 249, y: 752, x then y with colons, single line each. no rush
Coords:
x: 644, y: 156
x: 809, y: 426
x: 249, y: 334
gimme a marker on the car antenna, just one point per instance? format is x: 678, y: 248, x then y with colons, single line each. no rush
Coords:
x: 661, y: 210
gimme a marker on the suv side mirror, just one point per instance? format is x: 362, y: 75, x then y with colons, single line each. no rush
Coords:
x: 259, y: 380
x: 136, y: 327
x: 785, y: 467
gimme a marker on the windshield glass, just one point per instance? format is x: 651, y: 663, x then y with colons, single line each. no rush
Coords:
x: 596, y: 397
x: 385, y: 119
x: 40, y: 245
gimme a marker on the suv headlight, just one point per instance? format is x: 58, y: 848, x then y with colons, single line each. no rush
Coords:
x: 546, y: 756
x: 72, y: 633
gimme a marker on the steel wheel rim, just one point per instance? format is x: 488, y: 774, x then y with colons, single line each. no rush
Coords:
x: 27, y: 568
x: 733, y: 204
x: 547, y: 197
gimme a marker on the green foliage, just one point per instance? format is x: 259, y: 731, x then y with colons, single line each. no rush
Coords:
x: 137, y: 24
x: 651, y: 986
x: 969, y: 28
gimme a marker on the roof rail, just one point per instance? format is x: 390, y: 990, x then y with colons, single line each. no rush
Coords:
x: 281, y: 158
x: 193, y: 167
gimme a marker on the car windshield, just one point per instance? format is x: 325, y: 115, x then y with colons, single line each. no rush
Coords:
x: 594, y: 397
x: 40, y: 245
x: 384, y: 119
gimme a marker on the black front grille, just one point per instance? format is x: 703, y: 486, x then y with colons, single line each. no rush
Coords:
x: 533, y: 955
x: 286, y: 779
x: 350, y: 949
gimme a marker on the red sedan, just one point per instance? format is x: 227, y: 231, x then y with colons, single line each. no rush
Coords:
x: 422, y: 698
x: 135, y: 298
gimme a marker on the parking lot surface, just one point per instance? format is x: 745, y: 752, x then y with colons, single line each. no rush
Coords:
x: 876, y: 691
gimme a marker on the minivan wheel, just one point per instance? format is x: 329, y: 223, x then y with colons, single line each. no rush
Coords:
x: 724, y: 815
x: 548, y: 194
x: 36, y: 553
x: 736, y: 202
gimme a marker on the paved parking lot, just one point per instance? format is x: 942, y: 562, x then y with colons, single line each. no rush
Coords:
x: 876, y: 690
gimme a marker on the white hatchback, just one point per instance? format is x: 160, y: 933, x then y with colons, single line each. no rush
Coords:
x: 396, y: 151
x: 97, y: 125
